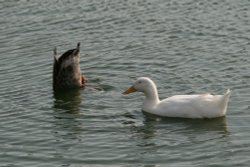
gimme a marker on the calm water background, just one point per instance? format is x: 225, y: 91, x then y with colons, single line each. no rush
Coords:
x: 185, y: 46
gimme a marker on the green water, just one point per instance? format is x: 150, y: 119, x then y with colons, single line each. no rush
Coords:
x: 185, y: 46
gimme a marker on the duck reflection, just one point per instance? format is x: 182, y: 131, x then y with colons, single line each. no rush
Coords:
x: 67, y: 101
x: 174, y: 130
x: 157, y: 135
x: 66, y: 123
x: 197, y: 125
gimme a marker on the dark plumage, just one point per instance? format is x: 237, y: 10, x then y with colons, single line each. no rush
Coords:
x: 66, y: 70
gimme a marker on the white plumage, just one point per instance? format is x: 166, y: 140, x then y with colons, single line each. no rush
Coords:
x: 185, y: 106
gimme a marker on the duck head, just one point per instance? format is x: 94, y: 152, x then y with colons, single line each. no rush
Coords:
x: 66, y: 70
x: 142, y: 84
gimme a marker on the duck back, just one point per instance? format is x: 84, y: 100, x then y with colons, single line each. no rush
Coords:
x: 66, y: 70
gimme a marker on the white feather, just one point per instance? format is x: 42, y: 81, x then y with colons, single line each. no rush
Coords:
x: 186, y: 106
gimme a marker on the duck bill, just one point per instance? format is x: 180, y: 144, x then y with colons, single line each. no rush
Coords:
x: 129, y: 90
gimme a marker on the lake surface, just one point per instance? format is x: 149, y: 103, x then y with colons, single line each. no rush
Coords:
x: 185, y: 46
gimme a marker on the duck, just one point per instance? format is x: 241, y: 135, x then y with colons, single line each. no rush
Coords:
x: 66, y: 70
x: 182, y: 106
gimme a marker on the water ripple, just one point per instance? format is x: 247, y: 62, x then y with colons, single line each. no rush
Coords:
x: 185, y: 46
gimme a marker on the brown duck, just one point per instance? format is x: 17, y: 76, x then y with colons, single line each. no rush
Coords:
x: 66, y: 70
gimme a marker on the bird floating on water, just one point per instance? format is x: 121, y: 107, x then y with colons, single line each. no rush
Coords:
x: 185, y: 106
x: 66, y: 70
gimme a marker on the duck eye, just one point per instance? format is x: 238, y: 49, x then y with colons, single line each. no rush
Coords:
x: 139, y: 82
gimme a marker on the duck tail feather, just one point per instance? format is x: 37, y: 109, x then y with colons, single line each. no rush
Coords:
x: 227, y: 94
x: 55, y: 53
x: 224, y: 101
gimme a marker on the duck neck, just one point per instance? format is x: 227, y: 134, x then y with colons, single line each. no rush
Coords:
x: 152, y: 95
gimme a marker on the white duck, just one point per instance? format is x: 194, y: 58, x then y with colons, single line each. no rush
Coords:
x: 185, y: 106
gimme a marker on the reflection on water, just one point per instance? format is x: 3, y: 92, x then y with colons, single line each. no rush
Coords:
x: 67, y: 101
x: 198, y: 125
x: 66, y: 125
x: 153, y: 125
x: 165, y: 136
x: 174, y: 129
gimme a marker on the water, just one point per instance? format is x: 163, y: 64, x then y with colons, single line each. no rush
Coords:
x: 185, y: 46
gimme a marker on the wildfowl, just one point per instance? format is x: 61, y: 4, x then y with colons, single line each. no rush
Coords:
x: 185, y: 106
x: 66, y: 70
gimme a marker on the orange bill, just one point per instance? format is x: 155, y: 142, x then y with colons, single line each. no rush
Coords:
x: 129, y: 90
